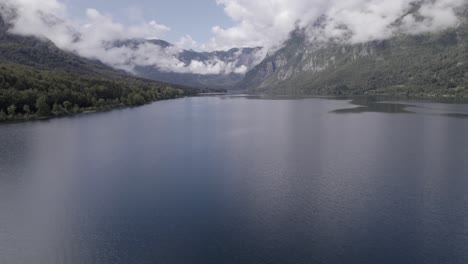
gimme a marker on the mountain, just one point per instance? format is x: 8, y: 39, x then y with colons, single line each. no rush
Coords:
x: 39, y: 80
x: 424, y: 64
x: 229, y: 66
x: 149, y: 58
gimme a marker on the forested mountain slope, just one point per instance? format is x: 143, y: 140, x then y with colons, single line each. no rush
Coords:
x: 432, y: 64
x: 39, y: 80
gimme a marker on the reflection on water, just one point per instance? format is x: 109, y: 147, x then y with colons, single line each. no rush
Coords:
x: 375, y: 107
x: 457, y: 115
x: 373, y: 104
x: 386, y: 105
x: 238, y: 180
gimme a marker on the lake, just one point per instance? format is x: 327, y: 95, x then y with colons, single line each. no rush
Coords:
x: 237, y: 179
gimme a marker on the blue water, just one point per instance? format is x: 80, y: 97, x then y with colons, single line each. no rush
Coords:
x: 238, y: 180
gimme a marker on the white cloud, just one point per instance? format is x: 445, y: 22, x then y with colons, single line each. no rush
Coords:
x: 94, y: 38
x: 187, y: 42
x: 438, y: 16
x: 268, y: 23
x: 264, y: 23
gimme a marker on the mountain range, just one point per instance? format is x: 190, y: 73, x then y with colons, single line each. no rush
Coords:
x: 426, y: 64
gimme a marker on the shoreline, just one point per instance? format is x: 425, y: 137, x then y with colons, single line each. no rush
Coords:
x: 89, y: 111
x: 431, y: 99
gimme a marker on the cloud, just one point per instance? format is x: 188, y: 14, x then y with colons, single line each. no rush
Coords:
x: 263, y: 23
x: 187, y: 42
x: 169, y: 59
x: 268, y: 23
x: 436, y: 16
x: 366, y: 20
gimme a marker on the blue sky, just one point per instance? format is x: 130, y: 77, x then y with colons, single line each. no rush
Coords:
x: 195, y: 18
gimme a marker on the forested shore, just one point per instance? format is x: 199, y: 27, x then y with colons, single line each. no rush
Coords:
x: 28, y: 94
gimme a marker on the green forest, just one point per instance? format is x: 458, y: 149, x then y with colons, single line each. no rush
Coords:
x: 27, y: 93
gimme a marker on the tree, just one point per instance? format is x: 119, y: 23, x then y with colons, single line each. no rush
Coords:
x: 43, y: 108
x: 68, y: 106
x: 101, y: 103
x: 76, y: 109
x: 57, y: 109
x: 136, y: 99
x: 11, y: 110
x: 3, y: 116
x: 26, y: 109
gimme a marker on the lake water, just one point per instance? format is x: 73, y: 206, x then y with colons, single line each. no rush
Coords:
x: 232, y: 179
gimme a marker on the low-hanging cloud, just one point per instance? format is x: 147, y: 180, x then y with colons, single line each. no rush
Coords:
x: 268, y: 23
x: 95, y: 38
x: 367, y: 20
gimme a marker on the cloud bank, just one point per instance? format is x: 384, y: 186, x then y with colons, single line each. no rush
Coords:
x: 95, y: 38
x: 268, y: 23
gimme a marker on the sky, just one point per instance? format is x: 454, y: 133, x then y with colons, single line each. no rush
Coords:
x: 193, y: 17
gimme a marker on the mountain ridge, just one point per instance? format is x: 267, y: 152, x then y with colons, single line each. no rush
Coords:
x: 423, y: 64
x: 236, y: 60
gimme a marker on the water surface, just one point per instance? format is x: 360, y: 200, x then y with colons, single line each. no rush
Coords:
x: 239, y: 180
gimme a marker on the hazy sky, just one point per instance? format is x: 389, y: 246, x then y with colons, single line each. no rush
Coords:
x: 194, y: 17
